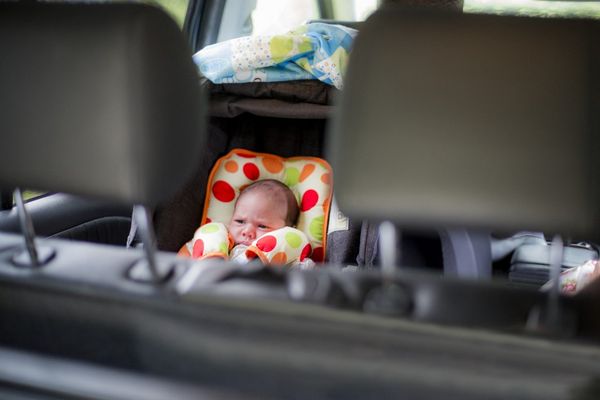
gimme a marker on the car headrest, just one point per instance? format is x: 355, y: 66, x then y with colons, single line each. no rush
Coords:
x: 472, y: 120
x: 97, y: 99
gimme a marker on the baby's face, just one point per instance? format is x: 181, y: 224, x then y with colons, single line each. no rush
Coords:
x: 255, y: 214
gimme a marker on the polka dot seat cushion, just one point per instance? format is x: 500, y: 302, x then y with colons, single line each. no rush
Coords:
x: 309, y: 178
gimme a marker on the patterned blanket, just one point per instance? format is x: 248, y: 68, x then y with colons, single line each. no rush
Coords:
x: 312, y: 51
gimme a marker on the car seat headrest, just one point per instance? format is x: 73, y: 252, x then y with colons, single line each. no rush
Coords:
x: 97, y: 99
x: 472, y: 120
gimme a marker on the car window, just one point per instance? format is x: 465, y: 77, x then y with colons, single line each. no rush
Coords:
x: 260, y: 17
x: 535, y: 8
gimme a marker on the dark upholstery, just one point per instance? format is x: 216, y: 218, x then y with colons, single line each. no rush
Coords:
x: 278, y: 133
x: 472, y: 120
x: 98, y: 100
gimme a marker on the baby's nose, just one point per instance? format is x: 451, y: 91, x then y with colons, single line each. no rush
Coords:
x: 250, y: 232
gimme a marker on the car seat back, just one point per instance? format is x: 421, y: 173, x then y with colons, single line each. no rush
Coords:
x: 471, y: 120
x: 96, y: 106
x: 93, y: 96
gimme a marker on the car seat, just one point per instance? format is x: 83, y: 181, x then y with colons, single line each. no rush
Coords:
x: 308, y: 178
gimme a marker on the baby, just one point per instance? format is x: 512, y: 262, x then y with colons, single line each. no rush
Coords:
x: 262, y: 226
x: 262, y: 207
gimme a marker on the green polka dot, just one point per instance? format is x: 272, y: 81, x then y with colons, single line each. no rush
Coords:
x: 223, y: 248
x: 284, y: 46
x: 304, y: 64
x: 305, y: 46
x: 209, y: 228
x: 291, y: 176
x: 293, y: 239
x: 316, y: 228
x: 280, y: 46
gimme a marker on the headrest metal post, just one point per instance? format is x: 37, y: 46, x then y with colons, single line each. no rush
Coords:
x: 142, y: 216
x: 392, y: 298
x: 553, y: 317
x: 548, y: 317
x: 387, y: 249
x: 27, y: 228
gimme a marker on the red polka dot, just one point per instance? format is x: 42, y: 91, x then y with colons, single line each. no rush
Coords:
x: 208, y: 221
x: 305, y: 251
x: 223, y: 191
x: 309, y: 199
x: 198, y: 248
x: 318, y: 254
x: 251, y: 171
x: 266, y: 243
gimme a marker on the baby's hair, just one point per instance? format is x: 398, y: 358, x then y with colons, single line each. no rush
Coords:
x: 280, y: 190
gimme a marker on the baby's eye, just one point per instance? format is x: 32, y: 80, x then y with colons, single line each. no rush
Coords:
x: 263, y: 227
x: 239, y: 221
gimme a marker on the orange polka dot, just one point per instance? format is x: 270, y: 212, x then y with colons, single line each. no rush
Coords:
x: 306, y: 171
x: 244, y: 187
x: 184, y: 252
x: 279, y: 258
x: 326, y: 178
x: 231, y: 166
x: 272, y: 164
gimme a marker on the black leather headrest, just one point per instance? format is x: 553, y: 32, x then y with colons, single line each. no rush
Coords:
x: 97, y: 99
x: 472, y: 120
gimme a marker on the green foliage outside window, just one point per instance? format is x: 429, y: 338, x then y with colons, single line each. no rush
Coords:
x: 175, y: 8
x: 535, y: 8
x: 31, y: 194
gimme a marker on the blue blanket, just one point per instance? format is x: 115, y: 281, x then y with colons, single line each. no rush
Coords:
x: 312, y: 51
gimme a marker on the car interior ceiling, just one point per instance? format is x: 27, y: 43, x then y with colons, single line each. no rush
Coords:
x: 231, y: 331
